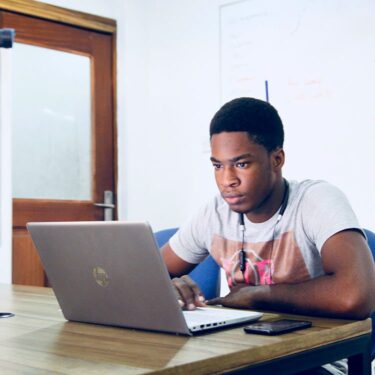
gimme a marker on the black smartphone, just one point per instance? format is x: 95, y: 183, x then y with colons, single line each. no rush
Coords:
x: 277, y: 327
x: 6, y: 315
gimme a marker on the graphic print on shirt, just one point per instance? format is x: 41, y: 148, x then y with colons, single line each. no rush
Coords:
x: 266, y: 262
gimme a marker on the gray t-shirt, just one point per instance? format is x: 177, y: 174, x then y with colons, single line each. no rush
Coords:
x: 288, y: 252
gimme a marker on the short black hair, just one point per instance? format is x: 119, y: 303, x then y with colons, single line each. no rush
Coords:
x: 256, y: 117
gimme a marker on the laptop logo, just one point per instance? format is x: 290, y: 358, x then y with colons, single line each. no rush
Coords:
x: 101, y: 277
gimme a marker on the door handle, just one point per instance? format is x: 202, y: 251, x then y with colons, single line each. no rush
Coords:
x: 108, y: 205
x: 105, y: 205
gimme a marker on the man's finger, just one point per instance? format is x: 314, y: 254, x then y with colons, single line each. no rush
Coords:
x: 198, y: 295
x: 178, y: 296
x: 186, y: 293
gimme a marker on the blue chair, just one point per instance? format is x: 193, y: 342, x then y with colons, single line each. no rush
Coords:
x: 371, y: 243
x: 205, y: 274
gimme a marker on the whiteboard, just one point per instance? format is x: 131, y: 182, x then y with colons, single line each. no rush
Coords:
x: 318, y: 57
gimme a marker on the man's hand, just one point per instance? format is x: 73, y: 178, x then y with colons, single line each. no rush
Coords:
x: 240, y: 297
x: 188, y: 292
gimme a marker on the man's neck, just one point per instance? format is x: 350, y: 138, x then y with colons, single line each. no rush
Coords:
x: 271, y: 203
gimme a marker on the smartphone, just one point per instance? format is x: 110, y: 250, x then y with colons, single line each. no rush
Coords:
x: 277, y: 327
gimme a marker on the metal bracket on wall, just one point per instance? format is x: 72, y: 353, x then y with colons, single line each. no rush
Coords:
x: 7, y: 38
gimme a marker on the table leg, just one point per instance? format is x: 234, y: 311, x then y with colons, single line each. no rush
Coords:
x: 360, y: 364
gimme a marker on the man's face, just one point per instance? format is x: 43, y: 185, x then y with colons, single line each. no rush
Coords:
x: 245, y: 172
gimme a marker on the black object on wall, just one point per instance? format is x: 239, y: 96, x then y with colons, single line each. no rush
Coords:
x: 7, y: 38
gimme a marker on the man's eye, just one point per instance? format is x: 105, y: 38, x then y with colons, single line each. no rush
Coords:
x: 242, y: 165
x: 216, y: 165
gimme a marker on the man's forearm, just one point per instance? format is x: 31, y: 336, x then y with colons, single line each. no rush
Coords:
x: 311, y: 297
x: 324, y: 295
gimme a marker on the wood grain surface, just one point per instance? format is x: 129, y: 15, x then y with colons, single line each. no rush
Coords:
x: 39, y: 340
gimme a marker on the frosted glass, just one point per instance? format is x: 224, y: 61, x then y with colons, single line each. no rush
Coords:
x: 51, y: 124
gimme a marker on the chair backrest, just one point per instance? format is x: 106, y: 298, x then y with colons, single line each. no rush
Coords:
x: 205, y: 274
x: 371, y: 243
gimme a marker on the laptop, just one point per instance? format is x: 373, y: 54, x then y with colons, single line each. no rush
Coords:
x: 112, y: 273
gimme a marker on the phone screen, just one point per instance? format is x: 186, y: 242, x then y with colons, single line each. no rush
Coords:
x: 277, y: 327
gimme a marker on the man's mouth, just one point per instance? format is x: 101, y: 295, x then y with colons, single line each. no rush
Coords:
x: 233, y: 199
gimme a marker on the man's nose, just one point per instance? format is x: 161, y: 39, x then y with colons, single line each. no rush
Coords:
x: 229, y: 177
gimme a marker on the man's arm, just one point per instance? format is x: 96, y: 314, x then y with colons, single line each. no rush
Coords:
x: 176, y: 266
x: 347, y: 290
x: 189, y: 294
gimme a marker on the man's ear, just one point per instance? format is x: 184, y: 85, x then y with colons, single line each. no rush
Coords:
x: 278, y: 159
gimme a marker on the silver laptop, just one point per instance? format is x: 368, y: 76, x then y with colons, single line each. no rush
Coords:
x: 112, y: 273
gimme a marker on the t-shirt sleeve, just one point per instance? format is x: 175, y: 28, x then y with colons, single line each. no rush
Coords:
x: 189, y: 241
x: 326, y: 211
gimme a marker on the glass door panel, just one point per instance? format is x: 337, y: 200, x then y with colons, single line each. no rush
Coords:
x: 52, y: 133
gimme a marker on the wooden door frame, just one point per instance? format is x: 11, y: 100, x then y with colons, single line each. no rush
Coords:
x: 59, y: 14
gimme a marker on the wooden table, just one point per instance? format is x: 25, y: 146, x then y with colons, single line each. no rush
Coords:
x: 39, y: 341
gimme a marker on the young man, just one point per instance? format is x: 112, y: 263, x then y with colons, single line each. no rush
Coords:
x: 289, y: 246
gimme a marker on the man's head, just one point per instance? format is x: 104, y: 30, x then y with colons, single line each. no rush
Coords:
x: 246, y: 152
x: 255, y: 117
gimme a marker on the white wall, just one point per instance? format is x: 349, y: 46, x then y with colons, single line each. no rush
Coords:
x: 5, y: 171
x: 171, y: 91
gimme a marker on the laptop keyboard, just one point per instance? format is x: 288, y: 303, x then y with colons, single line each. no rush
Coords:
x: 206, y: 315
